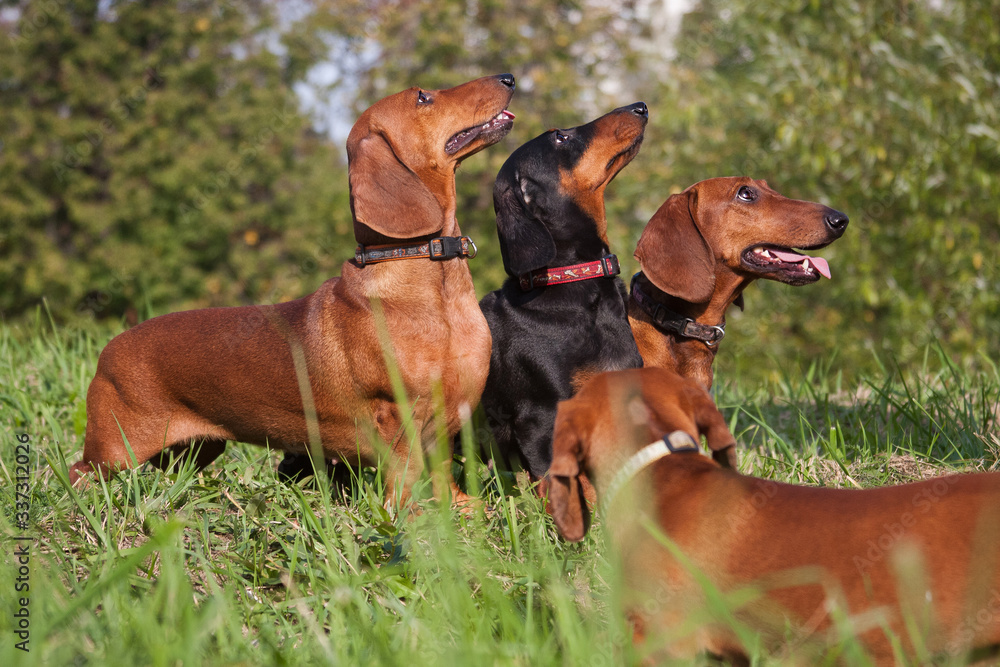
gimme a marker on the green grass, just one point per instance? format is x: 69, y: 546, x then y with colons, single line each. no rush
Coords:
x: 231, y: 565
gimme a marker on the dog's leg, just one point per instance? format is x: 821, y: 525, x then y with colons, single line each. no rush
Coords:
x: 402, y: 470
x: 125, y: 432
x: 205, y: 452
x: 298, y: 466
x: 104, y: 449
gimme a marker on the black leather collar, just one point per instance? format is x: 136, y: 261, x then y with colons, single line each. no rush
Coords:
x: 671, y: 322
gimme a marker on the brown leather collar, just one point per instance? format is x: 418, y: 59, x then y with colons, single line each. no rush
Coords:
x: 438, y: 249
x: 671, y: 322
x: 605, y: 267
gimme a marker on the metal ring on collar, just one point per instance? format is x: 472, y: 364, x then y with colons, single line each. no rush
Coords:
x: 715, y: 341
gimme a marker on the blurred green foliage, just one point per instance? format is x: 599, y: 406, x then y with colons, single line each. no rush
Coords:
x: 154, y: 158
x: 155, y: 155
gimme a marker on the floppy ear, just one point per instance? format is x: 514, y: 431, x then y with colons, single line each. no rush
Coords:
x: 673, y: 253
x: 713, y: 426
x: 525, y: 243
x: 567, y: 504
x: 388, y: 196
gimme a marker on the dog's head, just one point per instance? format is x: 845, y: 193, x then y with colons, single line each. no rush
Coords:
x: 736, y: 225
x: 614, y: 416
x: 550, y: 192
x: 403, y: 151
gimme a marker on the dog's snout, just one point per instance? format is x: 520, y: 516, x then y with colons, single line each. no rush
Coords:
x: 640, y: 109
x: 506, y: 79
x: 836, y: 221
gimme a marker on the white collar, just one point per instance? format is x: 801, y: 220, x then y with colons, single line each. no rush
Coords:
x: 677, y: 441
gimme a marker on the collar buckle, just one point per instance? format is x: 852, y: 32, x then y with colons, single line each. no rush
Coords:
x: 707, y: 333
x: 671, y: 322
x: 447, y: 247
x: 611, y: 266
x: 719, y: 332
x: 443, y: 247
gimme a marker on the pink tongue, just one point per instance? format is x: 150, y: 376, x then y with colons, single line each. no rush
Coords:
x: 794, y: 258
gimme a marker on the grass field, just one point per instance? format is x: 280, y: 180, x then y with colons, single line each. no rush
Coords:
x: 233, y: 566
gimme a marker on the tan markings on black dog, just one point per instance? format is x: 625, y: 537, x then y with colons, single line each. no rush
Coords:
x: 590, y: 175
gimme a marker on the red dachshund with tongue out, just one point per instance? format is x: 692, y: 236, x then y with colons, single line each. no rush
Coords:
x: 702, y: 248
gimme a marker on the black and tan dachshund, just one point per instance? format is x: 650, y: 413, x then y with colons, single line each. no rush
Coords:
x: 561, y: 315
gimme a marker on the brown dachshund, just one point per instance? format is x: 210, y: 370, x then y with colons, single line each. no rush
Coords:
x: 702, y: 248
x: 314, y: 371
x: 921, y: 559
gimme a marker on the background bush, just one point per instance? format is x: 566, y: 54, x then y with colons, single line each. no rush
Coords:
x: 156, y: 156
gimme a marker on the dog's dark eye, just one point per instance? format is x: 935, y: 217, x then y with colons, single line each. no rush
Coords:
x: 560, y: 137
x: 746, y: 193
x: 423, y: 98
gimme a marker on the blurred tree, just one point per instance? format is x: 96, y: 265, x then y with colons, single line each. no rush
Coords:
x: 886, y: 110
x: 153, y: 154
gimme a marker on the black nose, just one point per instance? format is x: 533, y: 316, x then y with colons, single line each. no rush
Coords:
x: 640, y: 109
x: 506, y: 79
x: 836, y: 221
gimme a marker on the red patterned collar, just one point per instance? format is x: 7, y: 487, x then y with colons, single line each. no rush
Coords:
x: 438, y: 249
x: 605, y: 267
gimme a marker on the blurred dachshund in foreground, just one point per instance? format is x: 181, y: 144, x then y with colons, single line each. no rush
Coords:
x: 921, y: 560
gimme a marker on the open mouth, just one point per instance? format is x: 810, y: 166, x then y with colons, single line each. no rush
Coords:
x: 490, y: 132
x: 785, y: 265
